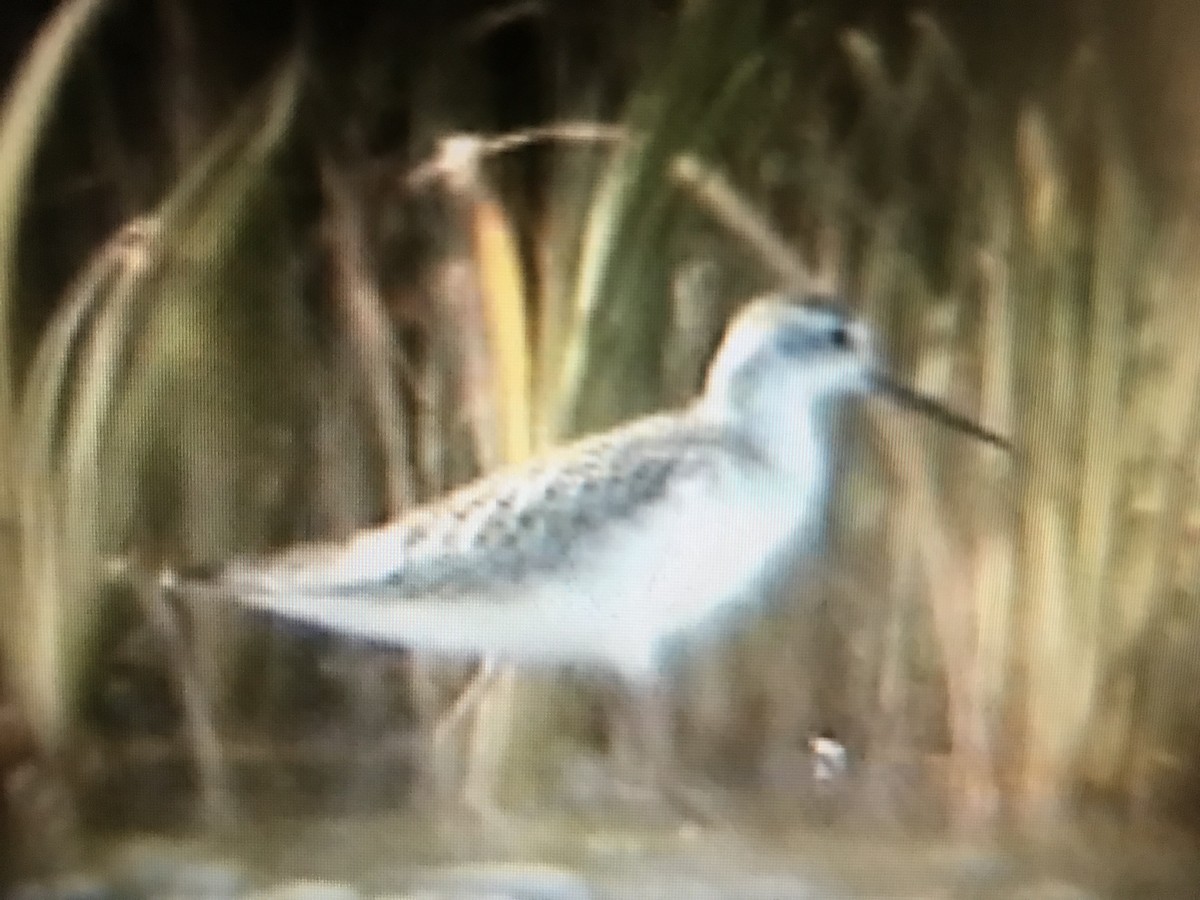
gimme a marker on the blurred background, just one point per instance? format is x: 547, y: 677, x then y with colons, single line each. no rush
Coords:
x: 274, y: 272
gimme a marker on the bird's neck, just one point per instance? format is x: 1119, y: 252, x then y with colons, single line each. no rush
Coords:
x: 794, y: 442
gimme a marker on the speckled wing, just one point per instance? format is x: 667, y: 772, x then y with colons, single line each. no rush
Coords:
x: 501, y: 529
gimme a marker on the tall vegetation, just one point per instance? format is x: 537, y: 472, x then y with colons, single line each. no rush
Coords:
x: 238, y: 368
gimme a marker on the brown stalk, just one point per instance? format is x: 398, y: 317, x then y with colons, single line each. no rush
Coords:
x: 370, y: 333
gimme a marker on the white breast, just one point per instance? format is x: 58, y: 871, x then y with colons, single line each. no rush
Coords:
x: 700, y: 553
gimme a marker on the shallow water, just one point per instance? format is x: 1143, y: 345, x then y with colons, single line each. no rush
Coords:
x: 565, y: 857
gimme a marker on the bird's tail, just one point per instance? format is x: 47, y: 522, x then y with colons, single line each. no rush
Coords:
x: 326, y: 592
x: 312, y: 587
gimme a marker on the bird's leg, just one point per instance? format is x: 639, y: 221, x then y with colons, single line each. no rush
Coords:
x: 467, y: 741
x: 645, y: 749
x: 640, y: 735
x: 490, y: 739
x: 445, y: 727
x: 466, y: 703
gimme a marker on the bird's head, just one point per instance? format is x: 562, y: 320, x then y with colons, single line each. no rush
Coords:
x: 799, y: 354
x: 784, y: 359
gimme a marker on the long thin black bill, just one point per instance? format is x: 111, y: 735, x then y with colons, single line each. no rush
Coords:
x: 906, y: 396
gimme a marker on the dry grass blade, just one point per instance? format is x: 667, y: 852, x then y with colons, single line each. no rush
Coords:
x: 1105, y: 368
x: 995, y: 571
x: 610, y: 367
x: 954, y: 607
x: 506, y: 347
x: 1136, y: 699
x: 715, y: 193
x: 1051, y: 654
x: 198, y: 211
x: 80, y: 374
x: 1048, y: 698
x: 42, y: 638
x: 26, y: 110
x: 866, y: 62
x: 49, y: 637
x: 936, y: 58
x: 371, y: 335
x: 504, y: 306
x: 28, y: 105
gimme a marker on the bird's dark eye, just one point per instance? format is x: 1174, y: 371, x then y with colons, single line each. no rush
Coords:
x: 840, y: 337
